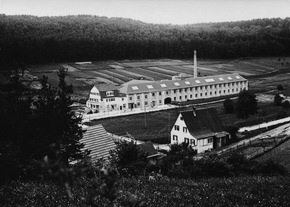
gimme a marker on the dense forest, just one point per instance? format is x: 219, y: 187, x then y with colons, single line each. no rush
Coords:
x: 31, y: 39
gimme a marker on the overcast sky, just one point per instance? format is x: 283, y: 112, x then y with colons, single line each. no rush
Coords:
x: 154, y: 11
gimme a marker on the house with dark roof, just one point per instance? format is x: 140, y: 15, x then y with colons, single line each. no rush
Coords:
x: 201, y: 129
x: 152, y: 154
x: 97, y: 141
x: 106, y: 97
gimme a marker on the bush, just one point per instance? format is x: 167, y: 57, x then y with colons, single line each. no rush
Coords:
x: 237, y: 163
x: 128, y: 159
x: 232, y: 129
x: 280, y: 87
x: 271, y: 168
x: 229, y: 106
x: 213, y: 166
x: 286, y: 105
x: 278, y: 100
x: 282, y: 114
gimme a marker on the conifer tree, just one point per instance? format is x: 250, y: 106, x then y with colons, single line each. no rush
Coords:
x: 59, y: 130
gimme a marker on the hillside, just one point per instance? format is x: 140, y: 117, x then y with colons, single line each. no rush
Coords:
x: 279, y: 154
x: 31, y: 39
x: 239, y: 191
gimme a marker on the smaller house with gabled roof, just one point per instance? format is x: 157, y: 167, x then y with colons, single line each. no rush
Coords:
x: 106, y: 97
x: 201, y: 129
x: 152, y: 154
x: 98, y: 142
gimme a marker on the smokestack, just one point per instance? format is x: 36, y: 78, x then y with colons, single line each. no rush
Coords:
x: 195, y: 65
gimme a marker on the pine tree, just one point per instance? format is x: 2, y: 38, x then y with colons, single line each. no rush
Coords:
x: 59, y: 130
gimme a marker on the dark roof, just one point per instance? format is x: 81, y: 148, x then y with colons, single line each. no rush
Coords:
x: 98, y: 142
x: 149, y: 149
x: 204, y: 123
x: 103, y: 88
x: 106, y: 87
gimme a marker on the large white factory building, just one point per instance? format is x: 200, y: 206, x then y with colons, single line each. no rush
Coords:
x: 144, y: 93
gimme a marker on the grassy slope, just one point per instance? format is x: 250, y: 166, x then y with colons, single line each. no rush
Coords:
x: 241, y: 191
x: 158, y: 127
x: 279, y: 154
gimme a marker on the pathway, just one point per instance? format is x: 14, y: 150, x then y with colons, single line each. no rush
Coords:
x: 283, y: 130
x: 264, y: 125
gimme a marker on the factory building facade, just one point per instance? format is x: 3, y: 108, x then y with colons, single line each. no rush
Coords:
x: 144, y: 93
x: 141, y: 94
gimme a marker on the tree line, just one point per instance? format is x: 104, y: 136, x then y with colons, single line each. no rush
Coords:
x: 32, y: 40
x: 37, y: 124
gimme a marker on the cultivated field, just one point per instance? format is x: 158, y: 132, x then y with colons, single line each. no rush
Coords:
x: 263, y: 73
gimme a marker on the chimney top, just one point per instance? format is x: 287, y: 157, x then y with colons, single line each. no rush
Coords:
x: 194, y: 65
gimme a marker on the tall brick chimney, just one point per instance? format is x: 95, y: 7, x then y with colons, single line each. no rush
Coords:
x: 195, y: 65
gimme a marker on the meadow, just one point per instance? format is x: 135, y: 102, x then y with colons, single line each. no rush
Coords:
x: 263, y: 73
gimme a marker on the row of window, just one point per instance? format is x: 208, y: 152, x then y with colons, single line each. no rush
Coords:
x: 206, y: 94
x: 110, y: 99
x: 207, y: 141
x: 201, y: 94
x: 186, y: 140
x: 94, y: 100
x: 202, y: 142
x: 94, y: 106
x: 176, y: 128
x: 188, y: 97
x: 96, y: 94
x: 110, y: 93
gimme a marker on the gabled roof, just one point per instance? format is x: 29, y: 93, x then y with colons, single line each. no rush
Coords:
x: 103, y: 88
x: 98, y: 142
x: 138, y: 86
x: 149, y: 149
x: 205, y: 122
x: 124, y: 88
x: 106, y: 87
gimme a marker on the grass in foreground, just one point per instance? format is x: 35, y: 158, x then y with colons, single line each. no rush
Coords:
x: 236, y: 191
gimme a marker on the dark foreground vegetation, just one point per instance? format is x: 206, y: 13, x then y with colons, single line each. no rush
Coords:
x: 41, y: 136
x: 30, y: 39
x: 177, y: 180
x: 235, y: 191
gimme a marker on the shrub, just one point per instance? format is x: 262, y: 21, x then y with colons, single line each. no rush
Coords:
x: 246, y: 105
x: 282, y: 114
x: 128, y: 159
x: 286, y: 105
x: 237, y: 163
x: 278, y: 100
x: 280, y: 87
x: 229, y: 106
x: 271, y: 168
x: 213, y: 166
x: 232, y: 129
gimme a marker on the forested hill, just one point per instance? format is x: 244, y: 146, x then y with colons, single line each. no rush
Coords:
x: 33, y: 39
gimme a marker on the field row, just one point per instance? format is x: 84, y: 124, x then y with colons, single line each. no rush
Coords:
x: 119, y: 72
